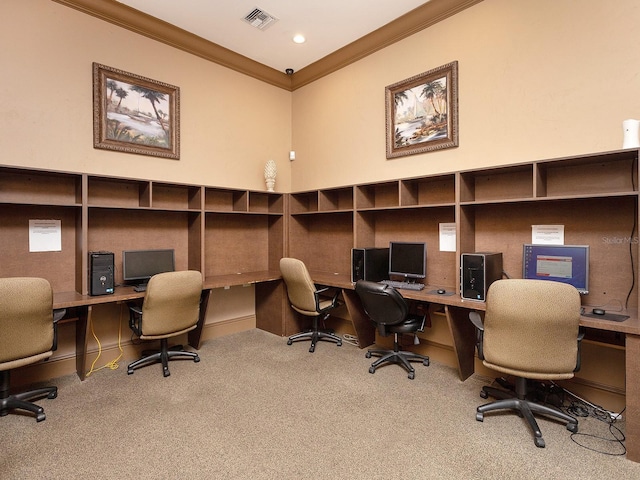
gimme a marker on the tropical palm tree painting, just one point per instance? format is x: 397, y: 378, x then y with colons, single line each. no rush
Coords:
x: 135, y: 114
x: 422, y: 112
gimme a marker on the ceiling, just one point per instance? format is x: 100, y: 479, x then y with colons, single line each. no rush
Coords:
x: 327, y: 25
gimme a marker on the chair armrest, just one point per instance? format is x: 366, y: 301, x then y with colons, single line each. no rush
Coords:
x: 581, y: 333
x: 58, y: 314
x: 477, y: 322
x: 135, y: 318
x: 334, y: 300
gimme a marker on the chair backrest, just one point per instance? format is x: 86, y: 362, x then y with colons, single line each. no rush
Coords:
x: 382, y: 303
x: 26, y: 318
x: 532, y: 326
x: 300, y: 286
x: 172, y: 302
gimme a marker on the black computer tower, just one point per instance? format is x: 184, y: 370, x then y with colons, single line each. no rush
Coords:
x: 101, y: 273
x: 477, y: 272
x: 370, y: 264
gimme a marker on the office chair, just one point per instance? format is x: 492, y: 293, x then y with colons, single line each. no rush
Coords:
x: 530, y: 331
x: 389, y: 310
x: 29, y: 334
x: 170, y: 308
x: 307, y: 299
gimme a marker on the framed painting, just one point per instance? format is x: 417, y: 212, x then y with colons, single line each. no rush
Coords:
x: 134, y: 114
x: 422, y: 112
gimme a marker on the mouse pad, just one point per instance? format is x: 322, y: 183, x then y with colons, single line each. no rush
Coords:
x: 607, y: 316
x: 448, y: 293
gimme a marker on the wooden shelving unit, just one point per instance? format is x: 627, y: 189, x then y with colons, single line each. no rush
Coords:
x: 214, y: 230
x: 594, y: 196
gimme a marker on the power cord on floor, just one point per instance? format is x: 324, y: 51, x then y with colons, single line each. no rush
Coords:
x: 350, y: 339
x: 580, y: 407
x: 113, y: 364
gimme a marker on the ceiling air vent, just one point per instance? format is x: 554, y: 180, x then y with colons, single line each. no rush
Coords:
x: 260, y: 19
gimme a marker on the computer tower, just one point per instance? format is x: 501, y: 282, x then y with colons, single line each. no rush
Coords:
x: 101, y: 273
x: 370, y: 264
x: 477, y: 272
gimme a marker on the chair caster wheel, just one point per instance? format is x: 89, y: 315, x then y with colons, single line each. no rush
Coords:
x: 479, y: 417
x: 130, y: 371
x: 367, y: 355
x: 411, y: 375
x: 289, y: 342
x: 484, y: 394
x: 312, y: 349
x: 539, y: 441
x: 196, y: 359
x: 53, y: 394
x: 372, y: 370
x: 40, y: 417
x: 339, y: 343
x: 425, y: 362
x: 572, y: 427
x: 166, y: 373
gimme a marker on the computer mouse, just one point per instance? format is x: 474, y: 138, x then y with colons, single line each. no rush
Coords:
x: 440, y: 291
x: 598, y: 311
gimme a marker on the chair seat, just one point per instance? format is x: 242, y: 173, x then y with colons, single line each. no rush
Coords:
x: 411, y: 325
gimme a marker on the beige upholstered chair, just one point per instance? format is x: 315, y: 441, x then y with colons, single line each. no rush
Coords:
x: 530, y: 331
x: 27, y: 335
x: 170, y: 308
x: 308, y: 300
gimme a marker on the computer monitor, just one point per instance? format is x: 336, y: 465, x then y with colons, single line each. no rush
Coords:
x: 561, y: 263
x: 408, y: 259
x: 140, y: 265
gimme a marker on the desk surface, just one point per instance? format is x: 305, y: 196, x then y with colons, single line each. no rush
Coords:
x: 630, y: 326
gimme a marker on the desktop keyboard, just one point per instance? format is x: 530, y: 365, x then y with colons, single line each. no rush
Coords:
x: 403, y: 285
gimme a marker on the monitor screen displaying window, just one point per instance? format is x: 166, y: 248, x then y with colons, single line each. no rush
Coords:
x: 141, y: 265
x: 561, y: 263
x: 408, y: 259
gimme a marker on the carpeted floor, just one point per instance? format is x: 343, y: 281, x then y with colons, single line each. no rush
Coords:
x: 255, y: 408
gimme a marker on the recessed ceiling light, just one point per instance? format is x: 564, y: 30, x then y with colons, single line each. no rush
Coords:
x: 299, y: 38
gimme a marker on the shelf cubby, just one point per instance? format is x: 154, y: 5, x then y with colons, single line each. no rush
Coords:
x: 226, y: 200
x: 175, y: 197
x: 38, y: 188
x: 335, y: 199
x: 264, y: 202
x: 438, y: 190
x: 119, y: 192
x: 304, y: 202
x: 497, y: 184
x: 378, y: 195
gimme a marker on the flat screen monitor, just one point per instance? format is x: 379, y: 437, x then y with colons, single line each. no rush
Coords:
x: 408, y: 259
x: 141, y: 265
x: 561, y: 263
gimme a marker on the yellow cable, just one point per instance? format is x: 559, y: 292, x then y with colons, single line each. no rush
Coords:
x: 113, y: 364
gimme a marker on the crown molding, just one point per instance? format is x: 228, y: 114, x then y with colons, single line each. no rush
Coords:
x: 136, y: 21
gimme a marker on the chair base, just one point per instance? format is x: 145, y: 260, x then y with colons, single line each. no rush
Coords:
x: 315, y: 335
x: 163, y: 356
x: 397, y: 356
x: 525, y: 408
x: 23, y: 401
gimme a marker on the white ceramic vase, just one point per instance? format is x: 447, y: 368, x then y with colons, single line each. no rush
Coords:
x: 270, y: 172
x: 631, y: 128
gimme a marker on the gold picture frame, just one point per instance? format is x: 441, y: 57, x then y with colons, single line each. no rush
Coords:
x: 134, y: 114
x: 422, y: 112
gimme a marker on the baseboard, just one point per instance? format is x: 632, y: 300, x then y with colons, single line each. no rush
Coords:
x: 61, y: 365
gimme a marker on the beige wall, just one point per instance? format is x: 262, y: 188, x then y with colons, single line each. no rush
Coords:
x: 231, y: 124
x: 538, y: 79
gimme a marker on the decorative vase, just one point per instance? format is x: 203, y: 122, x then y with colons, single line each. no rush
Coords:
x: 270, y: 171
x: 630, y: 129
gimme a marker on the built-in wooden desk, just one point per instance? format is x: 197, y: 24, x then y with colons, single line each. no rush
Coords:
x: 80, y: 307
